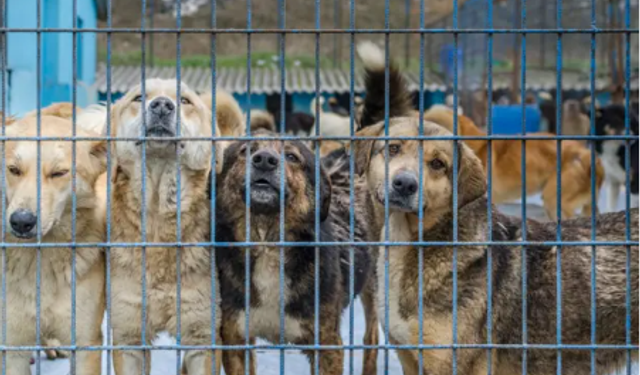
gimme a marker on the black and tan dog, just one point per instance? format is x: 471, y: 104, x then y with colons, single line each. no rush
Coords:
x: 299, y: 226
x: 506, y: 270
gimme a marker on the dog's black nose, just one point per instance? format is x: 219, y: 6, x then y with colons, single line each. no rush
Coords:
x: 405, y: 184
x: 23, y: 221
x: 162, y: 106
x: 265, y: 160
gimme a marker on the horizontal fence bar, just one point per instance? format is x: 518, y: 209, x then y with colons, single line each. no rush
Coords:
x: 117, y: 30
x: 322, y: 347
x: 312, y: 244
x: 527, y: 137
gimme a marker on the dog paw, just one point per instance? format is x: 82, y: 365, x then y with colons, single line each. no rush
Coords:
x: 55, y: 353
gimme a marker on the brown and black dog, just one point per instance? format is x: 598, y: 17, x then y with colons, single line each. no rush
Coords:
x: 504, y: 266
x: 266, y: 166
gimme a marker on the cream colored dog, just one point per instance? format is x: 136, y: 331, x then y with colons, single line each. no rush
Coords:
x: 157, y: 116
x: 55, y: 218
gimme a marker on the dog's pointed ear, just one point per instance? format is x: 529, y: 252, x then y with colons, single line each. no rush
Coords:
x: 472, y: 182
x: 362, y: 149
x: 325, y: 194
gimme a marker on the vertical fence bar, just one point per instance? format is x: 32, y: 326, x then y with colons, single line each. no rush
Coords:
x: 178, y: 5
x: 352, y: 171
x: 143, y: 187
x: 214, y: 161
x: 38, y: 178
x: 594, y: 198
x: 282, y: 281
x: 421, y: 195
x: 523, y: 167
x: 74, y: 198
x: 316, y: 255
x: 627, y: 168
x: 386, y: 187
x: 559, y: 95
x: 407, y: 36
x: 247, y: 250
x: 107, y: 132
x: 337, y: 22
x: 3, y: 181
x: 454, y: 182
x: 489, y: 102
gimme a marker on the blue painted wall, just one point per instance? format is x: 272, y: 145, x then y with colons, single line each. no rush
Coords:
x: 56, y: 54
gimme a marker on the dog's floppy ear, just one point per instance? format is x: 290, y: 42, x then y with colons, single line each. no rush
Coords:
x: 98, y: 155
x: 362, y: 149
x: 325, y: 194
x: 472, y: 183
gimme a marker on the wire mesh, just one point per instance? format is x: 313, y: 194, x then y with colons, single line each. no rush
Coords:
x: 474, y: 27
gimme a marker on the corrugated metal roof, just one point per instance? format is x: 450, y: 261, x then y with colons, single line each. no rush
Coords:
x: 266, y: 80
x: 263, y: 80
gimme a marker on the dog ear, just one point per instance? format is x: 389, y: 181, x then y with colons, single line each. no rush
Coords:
x: 362, y: 149
x: 325, y: 194
x: 98, y: 155
x: 472, y: 183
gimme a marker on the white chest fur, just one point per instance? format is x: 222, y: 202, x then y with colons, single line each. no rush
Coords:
x: 399, y: 327
x: 264, y: 321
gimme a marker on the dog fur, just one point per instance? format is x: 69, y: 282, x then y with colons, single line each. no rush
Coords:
x: 472, y: 265
x: 610, y: 120
x: 574, y: 121
x: 299, y: 219
x: 196, y: 271
x: 541, y: 157
x: 56, y: 226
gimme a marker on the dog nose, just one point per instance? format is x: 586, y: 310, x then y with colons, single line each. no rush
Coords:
x: 265, y: 160
x: 405, y: 184
x: 162, y: 106
x: 23, y: 221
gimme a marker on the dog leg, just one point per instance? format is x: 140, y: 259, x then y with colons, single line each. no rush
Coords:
x: 331, y: 361
x: 408, y: 362
x: 200, y: 362
x: 368, y: 297
x: 90, y: 362
x: 233, y: 361
x: 129, y: 362
x: 17, y: 363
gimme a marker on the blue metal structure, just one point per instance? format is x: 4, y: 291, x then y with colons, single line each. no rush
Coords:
x: 56, y: 52
x: 68, y: 85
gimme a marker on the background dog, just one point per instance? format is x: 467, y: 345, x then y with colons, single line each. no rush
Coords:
x: 472, y: 265
x: 56, y: 212
x: 299, y: 226
x: 540, y: 161
x: 610, y: 120
x: 162, y: 107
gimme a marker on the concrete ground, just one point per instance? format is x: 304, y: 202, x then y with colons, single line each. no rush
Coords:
x: 164, y: 362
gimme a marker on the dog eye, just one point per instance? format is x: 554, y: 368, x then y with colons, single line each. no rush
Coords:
x: 394, y: 150
x: 14, y: 170
x: 292, y: 158
x: 185, y: 101
x: 436, y: 164
x: 58, y: 174
x: 138, y: 99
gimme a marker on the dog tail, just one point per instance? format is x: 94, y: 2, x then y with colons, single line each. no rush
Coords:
x: 229, y: 117
x: 400, y: 103
x: 262, y: 120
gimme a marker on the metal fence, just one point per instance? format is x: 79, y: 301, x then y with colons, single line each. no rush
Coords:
x: 551, y: 37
